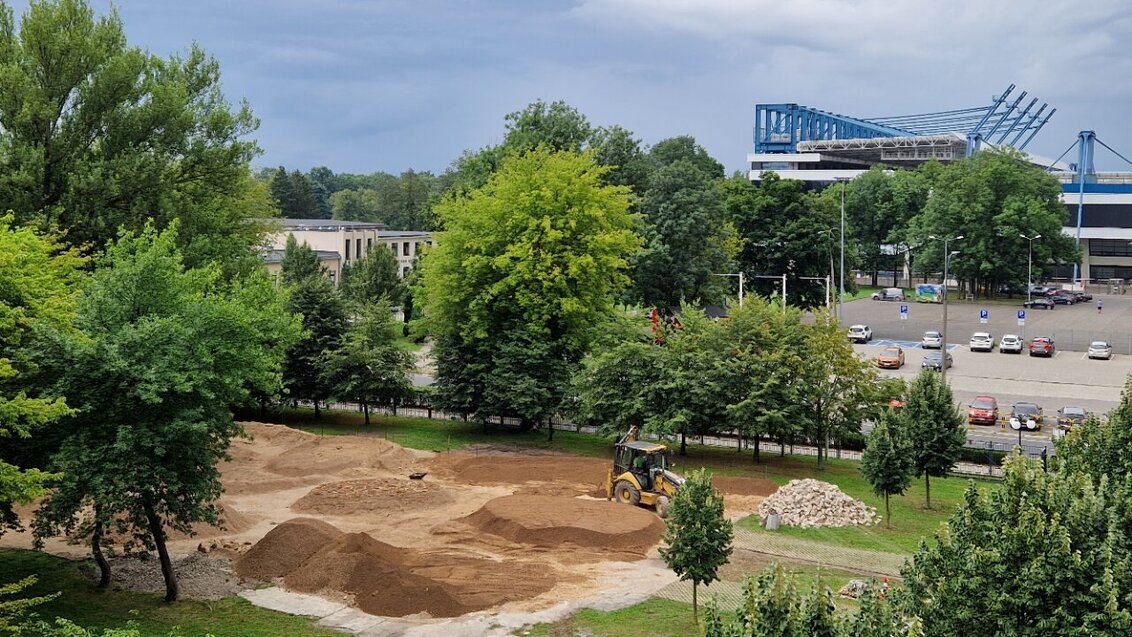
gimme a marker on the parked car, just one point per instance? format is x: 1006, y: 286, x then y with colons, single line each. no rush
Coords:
x: 983, y: 411
x: 935, y: 360
x: 1039, y: 303
x: 1061, y: 297
x: 1081, y: 296
x: 932, y: 340
x: 1010, y: 343
x: 1039, y: 289
x: 1100, y: 349
x: 891, y: 357
x: 1025, y: 416
x: 1042, y: 346
x: 982, y: 342
x: 889, y: 294
x: 1069, y: 417
x: 860, y: 333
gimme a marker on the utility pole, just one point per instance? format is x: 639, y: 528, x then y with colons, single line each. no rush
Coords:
x: 1030, y: 264
x: 946, y: 260
x: 841, y: 297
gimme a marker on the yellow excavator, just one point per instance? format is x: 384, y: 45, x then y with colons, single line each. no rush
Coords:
x: 640, y: 474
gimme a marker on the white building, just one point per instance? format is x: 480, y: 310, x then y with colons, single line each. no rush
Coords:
x: 339, y: 243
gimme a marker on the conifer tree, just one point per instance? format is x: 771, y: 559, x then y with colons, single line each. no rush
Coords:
x: 885, y: 463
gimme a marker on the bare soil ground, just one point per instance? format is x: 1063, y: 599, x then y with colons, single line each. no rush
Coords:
x: 489, y: 528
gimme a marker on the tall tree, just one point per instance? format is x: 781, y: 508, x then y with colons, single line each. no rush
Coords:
x: 535, y: 255
x: 324, y: 321
x: 557, y: 125
x: 39, y: 286
x: 933, y: 427
x: 696, y: 534
x: 164, y: 355
x: 885, y: 463
x: 356, y: 205
x: 372, y: 277
x: 96, y: 135
x: 616, y: 147
x: 369, y: 367
x: 299, y: 262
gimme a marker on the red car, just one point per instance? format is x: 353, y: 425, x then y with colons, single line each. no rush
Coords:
x: 983, y: 411
x: 1042, y: 346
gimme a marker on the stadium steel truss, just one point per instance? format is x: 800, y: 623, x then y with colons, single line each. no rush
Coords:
x: 780, y: 128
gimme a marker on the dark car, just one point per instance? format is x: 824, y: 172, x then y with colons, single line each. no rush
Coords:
x: 1061, y: 297
x: 1025, y: 416
x: 1042, y: 346
x: 1081, y: 297
x: 935, y: 360
x: 1068, y: 417
x: 1039, y: 303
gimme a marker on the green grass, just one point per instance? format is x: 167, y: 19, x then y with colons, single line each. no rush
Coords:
x: 652, y: 618
x: 88, y: 606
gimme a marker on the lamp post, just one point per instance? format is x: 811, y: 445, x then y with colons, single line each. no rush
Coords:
x: 740, y: 275
x: 841, y: 288
x: 947, y: 254
x: 1030, y: 264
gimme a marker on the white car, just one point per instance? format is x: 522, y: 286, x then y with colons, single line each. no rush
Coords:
x: 860, y: 333
x: 1100, y: 349
x: 932, y: 340
x: 1010, y: 343
x: 982, y: 342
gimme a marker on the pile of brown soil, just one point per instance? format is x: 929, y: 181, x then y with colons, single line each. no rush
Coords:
x: 231, y: 519
x: 744, y: 486
x: 500, y: 468
x: 337, y: 454
x: 285, y: 548
x: 555, y: 521
x: 353, y: 497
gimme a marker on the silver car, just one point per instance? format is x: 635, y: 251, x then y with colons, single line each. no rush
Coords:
x: 1100, y: 349
x: 932, y: 340
x: 982, y: 342
x: 1010, y: 343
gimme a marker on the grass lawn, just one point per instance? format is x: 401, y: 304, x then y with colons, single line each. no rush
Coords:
x: 87, y: 606
x: 653, y: 618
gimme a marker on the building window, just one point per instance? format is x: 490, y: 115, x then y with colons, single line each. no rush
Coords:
x: 369, y: 244
x: 330, y: 273
x: 347, y: 249
x: 358, y: 247
x: 1104, y: 272
x: 404, y: 272
x: 394, y: 247
x: 417, y: 248
x: 405, y: 248
x: 1110, y: 248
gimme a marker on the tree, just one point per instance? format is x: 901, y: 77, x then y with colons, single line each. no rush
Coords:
x: 372, y: 277
x: 299, y: 262
x: 295, y: 195
x: 885, y: 463
x: 616, y: 147
x: 39, y: 286
x: 368, y: 367
x: 163, y: 355
x: 933, y: 427
x: 98, y: 135
x: 697, y: 535
x: 356, y: 205
x: 324, y: 320
x: 534, y: 256
x: 615, y: 387
x: 557, y: 125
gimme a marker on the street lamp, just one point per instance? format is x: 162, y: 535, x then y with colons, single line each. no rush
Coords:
x: 841, y: 289
x: 947, y: 254
x: 740, y: 275
x: 1030, y: 264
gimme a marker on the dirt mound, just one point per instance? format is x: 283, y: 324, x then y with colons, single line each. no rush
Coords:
x: 285, y: 548
x: 744, y: 486
x: 341, y: 453
x: 554, y: 521
x: 352, y: 497
x: 231, y: 519
x: 268, y: 435
x: 515, y: 468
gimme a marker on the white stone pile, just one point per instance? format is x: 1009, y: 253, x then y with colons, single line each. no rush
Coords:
x: 813, y: 503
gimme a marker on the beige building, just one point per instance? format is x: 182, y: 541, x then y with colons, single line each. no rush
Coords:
x: 339, y: 243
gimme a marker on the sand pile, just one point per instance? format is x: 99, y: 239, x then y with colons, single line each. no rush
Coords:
x: 314, y: 557
x: 336, y: 454
x: 813, y: 503
x: 353, y: 497
x: 232, y: 522
x: 513, y: 469
x: 558, y: 522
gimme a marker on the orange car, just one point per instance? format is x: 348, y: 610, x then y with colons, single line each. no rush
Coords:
x: 891, y: 357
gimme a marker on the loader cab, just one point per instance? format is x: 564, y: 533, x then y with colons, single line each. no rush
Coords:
x: 643, y: 459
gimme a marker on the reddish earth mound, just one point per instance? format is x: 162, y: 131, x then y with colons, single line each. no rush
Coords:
x: 511, y: 468
x: 285, y: 548
x: 554, y: 521
x: 744, y: 486
x: 333, y: 455
x: 352, y: 497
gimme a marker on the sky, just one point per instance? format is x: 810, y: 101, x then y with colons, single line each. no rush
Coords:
x: 387, y: 85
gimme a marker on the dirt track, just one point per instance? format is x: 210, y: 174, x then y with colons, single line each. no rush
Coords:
x: 488, y: 529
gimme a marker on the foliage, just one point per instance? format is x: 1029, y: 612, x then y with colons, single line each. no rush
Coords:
x: 299, y: 262
x: 534, y: 257
x: 615, y: 387
x: 1099, y: 448
x: 163, y: 355
x: 933, y: 427
x: 294, y: 194
x: 885, y: 462
x: 98, y: 135
x: 558, y: 126
x: 368, y: 367
x: 363, y: 204
x: 324, y: 320
x: 372, y: 277
x: 697, y: 535
x: 39, y: 284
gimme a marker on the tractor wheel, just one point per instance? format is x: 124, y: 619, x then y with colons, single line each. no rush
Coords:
x: 625, y: 492
x: 662, y: 506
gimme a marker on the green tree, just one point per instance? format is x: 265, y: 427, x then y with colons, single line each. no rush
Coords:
x: 697, y: 535
x: 372, y: 277
x: 616, y: 147
x: 96, y: 135
x: 885, y: 463
x: 295, y: 195
x: 615, y: 387
x: 39, y: 286
x: 686, y: 396
x: 369, y: 367
x: 772, y: 605
x: 356, y: 205
x: 324, y: 321
x: 557, y: 126
x: 933, y: 427
x: 534, y: 256
x: 299, y: 262
x: 1101, y: 447
x: 164, y: 355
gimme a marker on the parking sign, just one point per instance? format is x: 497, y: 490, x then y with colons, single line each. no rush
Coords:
x: 984, y: 316
x: 1021, y: 317
x: 903, y: 312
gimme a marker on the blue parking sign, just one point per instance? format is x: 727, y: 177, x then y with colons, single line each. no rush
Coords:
x: 984, y: 316
x: 903, y: 312
x: 1021, y: 315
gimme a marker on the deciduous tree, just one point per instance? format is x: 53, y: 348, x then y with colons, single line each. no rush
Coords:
x: 369, y: 367
x: 697, y: 536
x: 372, y: 277
x: 299, y: 262
x: 324, y: 321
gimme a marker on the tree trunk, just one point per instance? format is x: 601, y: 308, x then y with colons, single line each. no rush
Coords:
x: 171, y: 589
x: 96, y: 550
x: 550, y: 429
x: 754, y: 442
x: 928, y: 488
x: 695, y: 603
x: 683, y: 443
x: 317, y: 413
x: 263, y: 409
x: 887, y: 513
x: 365, y: 410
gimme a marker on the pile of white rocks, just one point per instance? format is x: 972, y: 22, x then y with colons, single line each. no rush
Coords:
x: 813, y: 503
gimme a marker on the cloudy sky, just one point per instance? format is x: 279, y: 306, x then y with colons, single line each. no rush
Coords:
x: 365, y: 85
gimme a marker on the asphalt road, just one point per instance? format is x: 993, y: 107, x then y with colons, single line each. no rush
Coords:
x: 1066, y: 379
